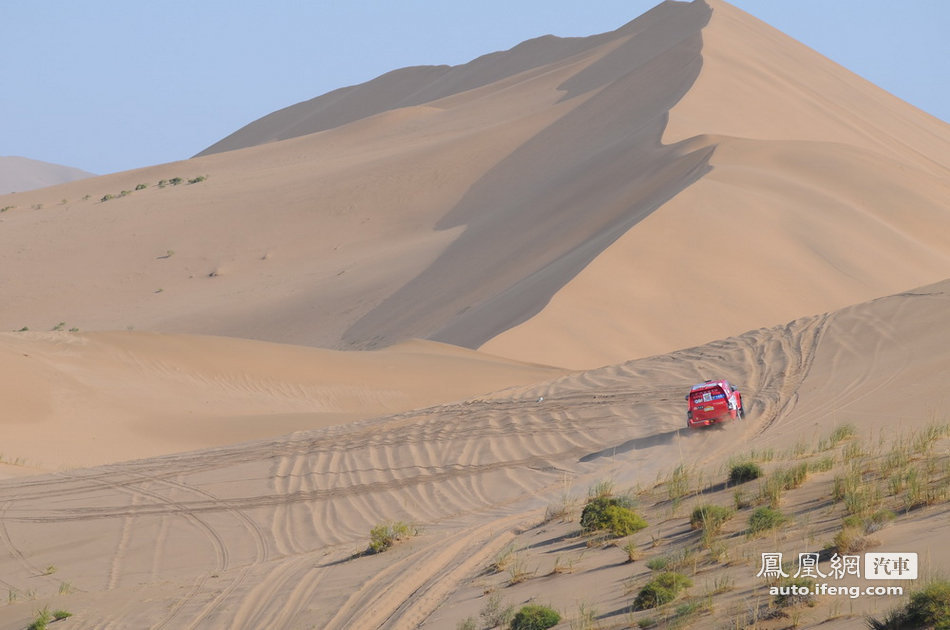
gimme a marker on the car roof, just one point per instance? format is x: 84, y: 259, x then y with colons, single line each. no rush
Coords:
x: 707, y: 385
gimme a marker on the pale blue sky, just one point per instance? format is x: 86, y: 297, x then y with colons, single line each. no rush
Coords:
x: 110, y: 85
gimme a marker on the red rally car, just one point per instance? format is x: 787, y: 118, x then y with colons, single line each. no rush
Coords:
x: 711, y: 402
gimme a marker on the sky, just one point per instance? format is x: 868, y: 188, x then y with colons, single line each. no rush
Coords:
x: 112, y: 85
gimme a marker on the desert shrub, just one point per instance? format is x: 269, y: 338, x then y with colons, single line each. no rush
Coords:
x: 603, y: 488
x: 496, y: 612
x: 633, y: 553
x: 927, y: 608
x: 468, y: 623
x: 174, y: 181
x: 842, y: 433
x: 765, y: 518
x: 385, y: 535
x: 797, y: 591
x: 677, y: 485
x: 197, y: 180
x: 613, y: 514
x: 795, y: 476
x: 658, y: 563
x: 535, y: 617
x: 850, y: 539
x: 743, y: 472
x: 141, y: 186
x: 107, y: 197
x: 709, y: 517
x: 41, y: 620
x: 661, y: 589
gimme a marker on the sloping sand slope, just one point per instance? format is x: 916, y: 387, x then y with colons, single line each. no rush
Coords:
x: 263, y: 534
x: 88, y: 399
x: 686, y: 177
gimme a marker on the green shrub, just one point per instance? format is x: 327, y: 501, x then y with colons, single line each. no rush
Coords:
x: 41, y: 620
x: 385, y: 535
x: 141, y: 186
x: 658, y: 563
x: 535, y: 617
x: 709, y: 517
x: 927, y: 608
x: 197, y: 180
x: 613, y: 514
x: 765, y: 518
x: 743, y: 472
x: 660, y: 590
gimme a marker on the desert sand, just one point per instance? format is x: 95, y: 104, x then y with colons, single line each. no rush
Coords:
x: 459, y: 297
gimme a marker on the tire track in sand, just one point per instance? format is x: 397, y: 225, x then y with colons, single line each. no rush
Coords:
x: 408, y: 590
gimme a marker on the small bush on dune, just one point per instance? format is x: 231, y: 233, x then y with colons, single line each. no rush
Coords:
x: 535, y: 617
x: 709, y: 518
x: 798, y: 591
x: 496, y: 612
x: 660, y: 590
x: 927, y: 608
x: 613, y: 514
x: 385, y: 535
x: 850, y: 540
x: 842, y: 433
x: 743, y: 472
x: 765, y: 518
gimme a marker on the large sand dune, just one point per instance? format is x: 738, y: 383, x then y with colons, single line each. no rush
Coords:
x: 577, y: 190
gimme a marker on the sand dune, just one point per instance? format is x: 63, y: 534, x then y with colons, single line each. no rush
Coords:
x: 263, y: 534
x: 78, y: 399
x: 19, y: 173
x: 553, y: 191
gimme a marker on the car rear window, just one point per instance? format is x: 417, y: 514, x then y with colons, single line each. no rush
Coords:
x: 707, y: 395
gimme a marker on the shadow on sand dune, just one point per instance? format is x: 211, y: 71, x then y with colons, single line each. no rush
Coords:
x: 657, y: 439
x: 546, y: 211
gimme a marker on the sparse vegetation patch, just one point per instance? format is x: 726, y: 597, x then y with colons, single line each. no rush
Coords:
x: 611, y: 514
x: 743, y: 472
x: 764, y: 519
x: 927, y: 608
x: 385, y: 535
x: 535, y: 617
x: 660, y: 590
